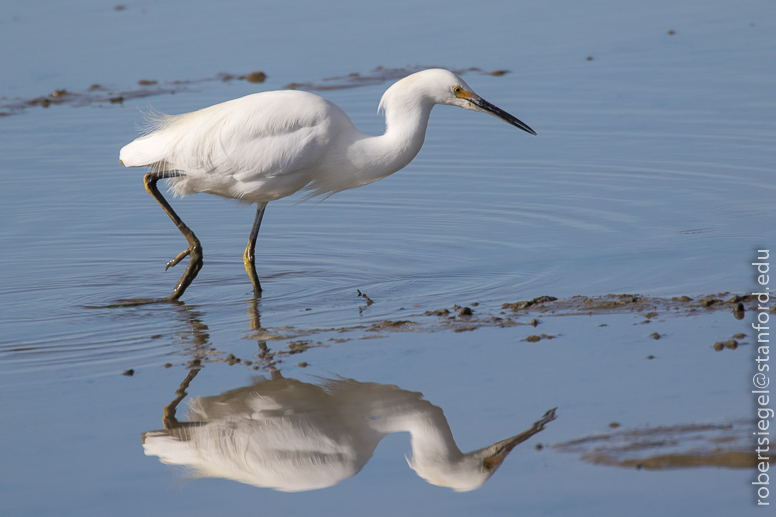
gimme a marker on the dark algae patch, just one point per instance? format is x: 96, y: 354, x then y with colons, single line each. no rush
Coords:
x: 724, y: 445
x: 100, y: 95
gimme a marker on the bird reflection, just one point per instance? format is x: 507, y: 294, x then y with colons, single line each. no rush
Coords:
x: 293, y: 436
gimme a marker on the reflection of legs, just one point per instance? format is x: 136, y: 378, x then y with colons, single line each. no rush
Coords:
x: 194, y: 250
x: 249, y: 256
x: 266, y: 355
x: 170, y: 422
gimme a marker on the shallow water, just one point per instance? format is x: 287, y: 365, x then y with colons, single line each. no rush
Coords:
x: 652, y: 173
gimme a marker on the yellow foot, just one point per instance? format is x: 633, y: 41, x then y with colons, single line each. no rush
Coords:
x: 248, y: 259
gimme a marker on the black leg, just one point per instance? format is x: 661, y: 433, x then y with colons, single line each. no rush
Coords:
x: 194, y: 250
x: 249, y: 256
x: 170, y: 421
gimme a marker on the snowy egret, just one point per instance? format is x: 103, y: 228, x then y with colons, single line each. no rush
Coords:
x: 269, y: 145
x: 293, y: 436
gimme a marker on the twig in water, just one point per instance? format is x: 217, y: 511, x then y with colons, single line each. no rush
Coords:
x: 368, y: 299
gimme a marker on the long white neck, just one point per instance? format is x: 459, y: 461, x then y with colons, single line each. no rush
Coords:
x: 430, y: 434
x: 406, y: 120
x: 433, y: 444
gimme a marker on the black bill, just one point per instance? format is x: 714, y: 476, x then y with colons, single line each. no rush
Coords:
x: 499, y: 113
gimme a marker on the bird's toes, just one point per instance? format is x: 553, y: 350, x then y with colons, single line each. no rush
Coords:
x: 182, y: 255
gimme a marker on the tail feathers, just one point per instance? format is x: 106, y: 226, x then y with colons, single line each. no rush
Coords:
x: 146, y: 151
x: 150, y: 150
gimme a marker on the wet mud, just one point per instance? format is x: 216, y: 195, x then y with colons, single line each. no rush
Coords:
x: 277, y: 344
x: 726, y: 445
x: 99, y: 95
x: 532, y: 311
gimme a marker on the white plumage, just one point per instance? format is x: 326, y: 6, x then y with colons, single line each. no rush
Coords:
x: 269, y: 145
x: 293, y: 436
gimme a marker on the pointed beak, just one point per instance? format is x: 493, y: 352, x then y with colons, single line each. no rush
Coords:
x: 497, y: 112
x: 500, y: 450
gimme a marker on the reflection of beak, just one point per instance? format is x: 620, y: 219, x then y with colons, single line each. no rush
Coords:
x: 501, y: 449
x: 499, y: 113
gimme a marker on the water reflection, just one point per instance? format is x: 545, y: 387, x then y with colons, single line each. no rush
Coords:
x: 293, y: 436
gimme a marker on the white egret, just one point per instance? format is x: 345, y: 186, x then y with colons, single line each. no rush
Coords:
x: 269, y: 145
x: 293, y: 436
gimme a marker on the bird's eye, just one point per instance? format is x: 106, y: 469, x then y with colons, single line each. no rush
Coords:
x: 457, y: 90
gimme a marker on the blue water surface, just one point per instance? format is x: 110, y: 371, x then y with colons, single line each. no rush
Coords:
x: 652, y: 173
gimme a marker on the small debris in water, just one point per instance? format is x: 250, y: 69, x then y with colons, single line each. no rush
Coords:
x: 534, y: 339
x: 708, y: 301
x: 297, y: 347
x: 671, y: 32
x: 650, y: 356
x: 614, y: 425
x: 129, y: 373
x: 388, y: 324
x: 730, y: 343
x: 365, y: 297
x: 589, y: 58
x: 146, y: 82
x: 256, y: 77
x: 530, y: 303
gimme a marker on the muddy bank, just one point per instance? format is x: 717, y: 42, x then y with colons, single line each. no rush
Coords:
x: 531, y: 312
x: 277, y: 345
x: 103, y: 96
x: 727, y: 445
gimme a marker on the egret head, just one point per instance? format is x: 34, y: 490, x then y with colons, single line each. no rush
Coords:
x: 444, y: 87
x: 469, y: 471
